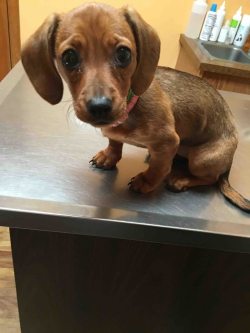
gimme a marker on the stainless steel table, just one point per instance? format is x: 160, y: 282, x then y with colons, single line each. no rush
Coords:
x: 91, y: 256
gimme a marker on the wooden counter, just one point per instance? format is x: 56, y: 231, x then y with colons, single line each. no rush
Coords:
x: 222, y: 74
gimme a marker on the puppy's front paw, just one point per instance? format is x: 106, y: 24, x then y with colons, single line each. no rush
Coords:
x: 140, y: 184
x: 104, y: 160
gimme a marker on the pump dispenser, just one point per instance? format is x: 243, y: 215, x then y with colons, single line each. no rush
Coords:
x: 196, y: 19
x: 218, y: 22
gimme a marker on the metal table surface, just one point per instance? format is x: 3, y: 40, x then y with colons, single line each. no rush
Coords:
x: 46, y: 182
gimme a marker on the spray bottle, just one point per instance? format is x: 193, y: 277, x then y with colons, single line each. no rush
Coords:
x: 243, y: 31
x: 218, y: 23
x: 208, y: 23
x: 234, y: 25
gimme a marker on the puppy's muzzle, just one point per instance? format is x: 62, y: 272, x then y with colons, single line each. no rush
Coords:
x: 99, y: 107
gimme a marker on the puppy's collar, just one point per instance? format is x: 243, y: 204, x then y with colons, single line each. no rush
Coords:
x: 130, y: 95
x: 131, y: 101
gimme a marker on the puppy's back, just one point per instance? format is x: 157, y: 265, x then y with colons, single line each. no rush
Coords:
x: 195, y: 101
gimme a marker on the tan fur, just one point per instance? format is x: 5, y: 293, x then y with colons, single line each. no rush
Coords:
x: 176, y: 113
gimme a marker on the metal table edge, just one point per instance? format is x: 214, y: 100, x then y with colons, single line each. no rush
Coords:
x: 122, y: 224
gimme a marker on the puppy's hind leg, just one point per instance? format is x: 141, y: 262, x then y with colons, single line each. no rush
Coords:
x: 206, y: 163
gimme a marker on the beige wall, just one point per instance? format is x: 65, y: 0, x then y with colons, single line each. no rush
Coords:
x: 168, y: 17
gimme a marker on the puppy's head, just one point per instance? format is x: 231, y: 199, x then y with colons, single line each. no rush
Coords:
x: 101, y: 52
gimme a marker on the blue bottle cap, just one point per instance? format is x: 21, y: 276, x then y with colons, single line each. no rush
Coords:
x: 213, y: 7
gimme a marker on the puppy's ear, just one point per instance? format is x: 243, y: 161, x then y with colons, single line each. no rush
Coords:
x: 38, y: 61
x: 147, y: 48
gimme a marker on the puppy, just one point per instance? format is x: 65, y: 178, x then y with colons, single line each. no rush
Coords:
x: 108, y: 57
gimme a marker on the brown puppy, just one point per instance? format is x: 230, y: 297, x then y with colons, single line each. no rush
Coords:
x: 105, y: 55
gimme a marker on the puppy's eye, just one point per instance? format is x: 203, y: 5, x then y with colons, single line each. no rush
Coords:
x: 70, y: 59
x: 123, y: 56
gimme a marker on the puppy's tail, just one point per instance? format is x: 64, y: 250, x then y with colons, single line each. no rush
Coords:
x: 232, y: 195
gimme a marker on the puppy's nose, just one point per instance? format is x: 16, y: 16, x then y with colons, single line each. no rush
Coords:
x: 99, y: 106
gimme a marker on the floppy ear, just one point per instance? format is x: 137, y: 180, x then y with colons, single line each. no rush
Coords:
x: 148, y: 50
x: 38, y: 61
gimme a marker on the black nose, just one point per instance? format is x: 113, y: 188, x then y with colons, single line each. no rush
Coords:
x: 99, y: 106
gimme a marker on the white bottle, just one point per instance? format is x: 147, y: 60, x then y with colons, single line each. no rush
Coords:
x: 196, y: 19
x: 224, y: 32
x: 243, y: 31
x: 218, y: 23
x: 234, y: 25
x: 208, y: 23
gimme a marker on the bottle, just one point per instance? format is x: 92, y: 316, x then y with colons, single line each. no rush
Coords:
x: 196, y: 19
x: 208, y: 23
x: 218, y: 23
x: 224, y: 32
x: 234, y: 25
x: 243, y: 31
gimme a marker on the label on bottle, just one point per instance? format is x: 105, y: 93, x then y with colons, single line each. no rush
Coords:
x: 241, y: 35
x: 233, y: 23
x: 208, y: 26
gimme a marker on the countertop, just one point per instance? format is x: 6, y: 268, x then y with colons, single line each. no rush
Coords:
x: 47, y: 184
x: 212, y: 64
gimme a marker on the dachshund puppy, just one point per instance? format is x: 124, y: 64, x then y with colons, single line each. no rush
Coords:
x: 108, y: 57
